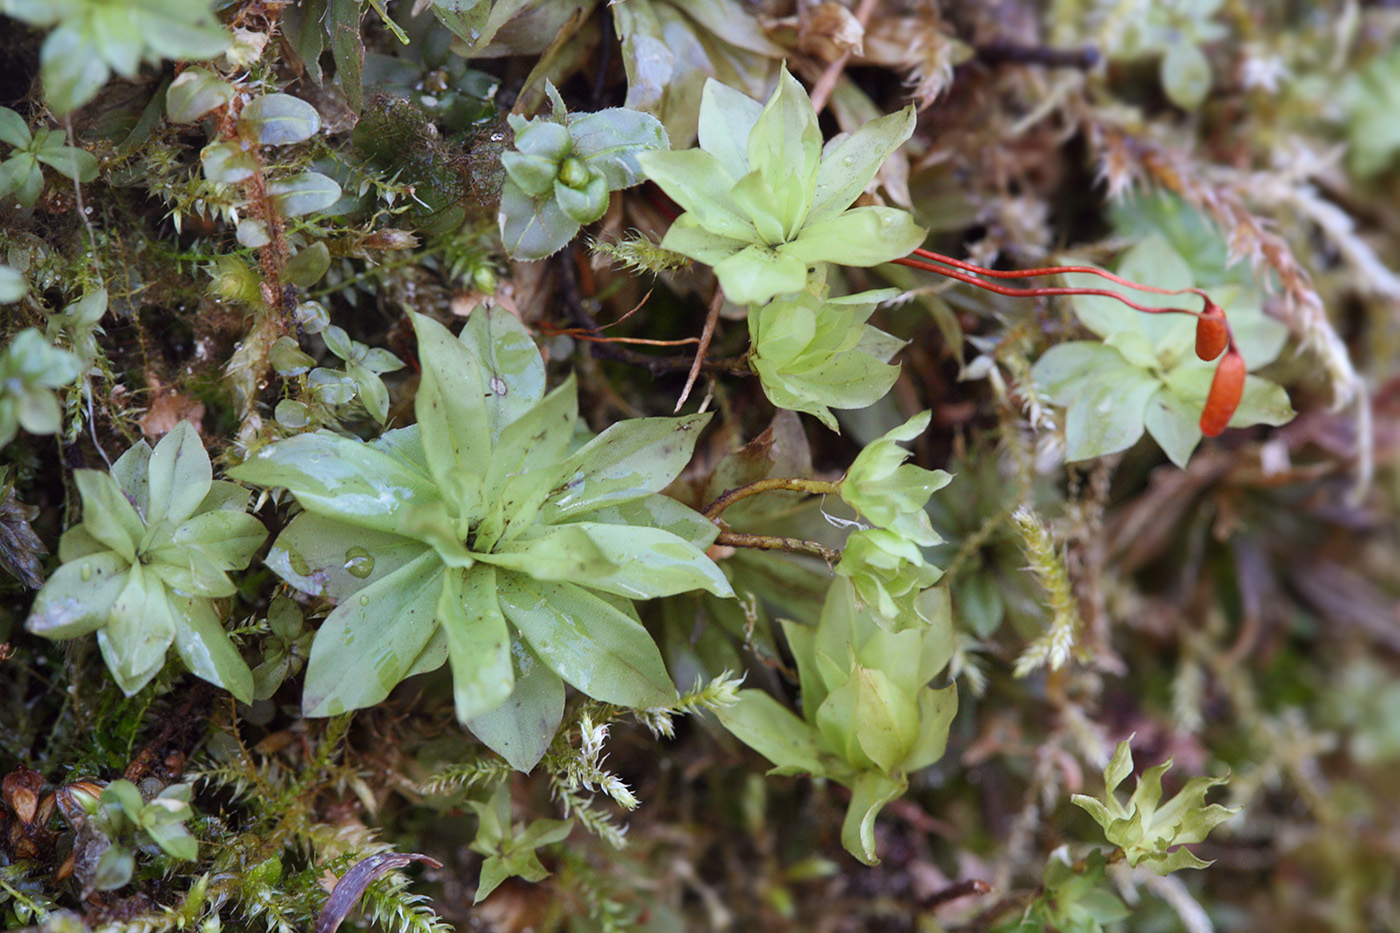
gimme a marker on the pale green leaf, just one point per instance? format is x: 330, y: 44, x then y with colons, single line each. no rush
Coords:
x: 188, y: 572
x: 785, y: 147
x: 323, y: 556
x: 1109, y: 415
x: 587, y: 641
x: 194, y: 92
x: 13, y: 129
x: 512, y: 370
x: 936, y: 711
x: 888, y: 717
x: 700, y: 184
x: 304, y: 193
x: 660, y: 511
x: 1174, y: 424
x: 687, y: 237
x: 771, y: 729
x: 521, y: 729
x: 366, y: 646
x: 70, y: 161
x: 533, y: 227
x: 870, y: 792
x: 756, y: 274
x: 279, y: 120
x: 107, y: 514
x: 342, y: 478
x: 1067, y: 370
x: 846, y: 170
x: 629, y: 561
x: 1119, y: 766
x: 478, y: 641
x: 630, y: 460
x: 727, y: 117
x: 179, y: 475
x: 1186, y: 74
x: 71, y: 72
x: 78, y: 597
x: 139, y: 630
x: 608, y: 141
x: 308, y: 265
x: 861, y: 236
x: 12, y: 285
x: 205, y: 648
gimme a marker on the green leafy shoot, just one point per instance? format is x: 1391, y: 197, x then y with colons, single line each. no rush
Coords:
x: 131, y: 824
x: 364, y: 365
x: 563, y: 169
x: 1074, y: 898
x: 764, y: 201
x: 147, y: 565
x: 869, y: 718
x: 77, y: 324
x: 813, y: 354
x: 285, y: 651
x: 510, y: 850
x: 30, y: 369
x: 20, y: 173
x: 1147, y: 830
x: 93, y: 38
x: 477, y: 537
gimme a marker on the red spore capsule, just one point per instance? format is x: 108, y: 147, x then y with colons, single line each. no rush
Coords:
x: 1212, y: 333
x: 1226, y: 390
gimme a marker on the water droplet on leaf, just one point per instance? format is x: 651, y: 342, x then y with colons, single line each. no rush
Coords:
x: 359, y: 562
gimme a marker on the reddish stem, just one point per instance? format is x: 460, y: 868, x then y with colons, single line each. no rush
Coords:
x: 1055, y: 270
x: 1213, y: 335
x: 1035, y: 292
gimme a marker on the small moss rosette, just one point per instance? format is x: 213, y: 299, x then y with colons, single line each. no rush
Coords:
x: 148, y: 562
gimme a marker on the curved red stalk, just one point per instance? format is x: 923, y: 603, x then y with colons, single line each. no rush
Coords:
x: 1213, y: 335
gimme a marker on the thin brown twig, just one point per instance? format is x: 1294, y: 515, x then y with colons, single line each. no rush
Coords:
x: 814, y: 487
x: 656, y: 365
x: 821, y: 91
x: 711, y: 319
x: 776, y: 543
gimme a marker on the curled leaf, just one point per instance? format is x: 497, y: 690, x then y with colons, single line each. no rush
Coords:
x: 353, y: 884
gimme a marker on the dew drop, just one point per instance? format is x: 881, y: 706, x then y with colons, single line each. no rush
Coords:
x: 359, y: 562
x: 498, y: 385
x: 848, y: 161
x: 86, y: 572
x: 364, y: 600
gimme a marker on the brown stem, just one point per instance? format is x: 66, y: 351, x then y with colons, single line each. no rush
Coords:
x: 706, y: 336
x: 1010, y: 53
x: 955, y: 891
x: 813, y: 487
x: 656, y: 365
x: 775, y: 543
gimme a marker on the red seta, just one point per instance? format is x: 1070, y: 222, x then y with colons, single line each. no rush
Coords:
x: 1213, y: 336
